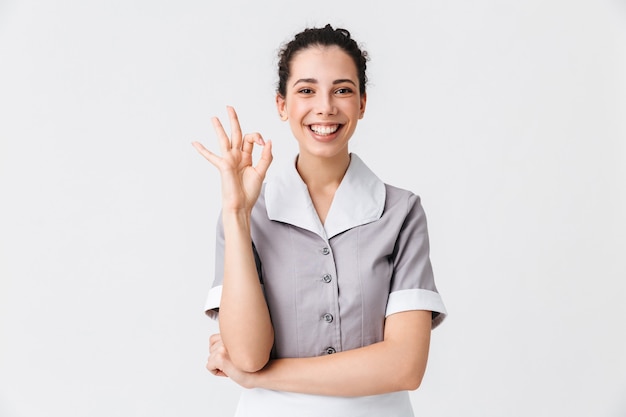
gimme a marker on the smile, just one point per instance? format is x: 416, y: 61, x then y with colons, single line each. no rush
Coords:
x: 324, y: 130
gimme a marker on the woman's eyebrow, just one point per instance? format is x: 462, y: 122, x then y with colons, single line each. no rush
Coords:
x: 314, y: 81
x: 305, y: 80
x: 344, y: 80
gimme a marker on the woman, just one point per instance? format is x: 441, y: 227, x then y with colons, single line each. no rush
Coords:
x: 324, y: 286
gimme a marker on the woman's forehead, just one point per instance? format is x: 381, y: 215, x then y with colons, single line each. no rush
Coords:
x: 318, y: 60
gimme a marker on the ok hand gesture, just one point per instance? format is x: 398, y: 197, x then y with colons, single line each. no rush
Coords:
x: 241, y: 181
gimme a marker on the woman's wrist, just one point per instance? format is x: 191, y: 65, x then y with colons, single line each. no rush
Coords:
x: 248, y: 380
x: 236, y: 218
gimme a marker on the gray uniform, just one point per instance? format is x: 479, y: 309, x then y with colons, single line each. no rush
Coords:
x: 329, y: 287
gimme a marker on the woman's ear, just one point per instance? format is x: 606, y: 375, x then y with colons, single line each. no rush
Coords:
x: 280, y: 106
x: 363, y: 102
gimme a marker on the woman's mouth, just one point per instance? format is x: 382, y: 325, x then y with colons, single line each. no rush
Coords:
x: 324, y: 130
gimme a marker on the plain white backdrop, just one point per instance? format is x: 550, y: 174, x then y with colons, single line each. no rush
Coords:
x: 508, y: 118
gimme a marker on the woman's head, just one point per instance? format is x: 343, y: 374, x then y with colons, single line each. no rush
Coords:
x: 321, y: 37
x: 321, y: 91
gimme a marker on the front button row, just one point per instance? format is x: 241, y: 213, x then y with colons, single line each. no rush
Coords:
x: 327, y: 278
x: 330, y: 350
x: 328, y: 318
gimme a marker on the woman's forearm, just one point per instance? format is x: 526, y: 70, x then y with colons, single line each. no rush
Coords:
x: 396, y: 364
x: 244, y: 319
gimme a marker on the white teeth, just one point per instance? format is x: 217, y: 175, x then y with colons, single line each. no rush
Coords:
x: 324, y: 130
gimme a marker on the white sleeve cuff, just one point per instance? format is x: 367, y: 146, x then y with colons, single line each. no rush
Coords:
x: 212, y: 305
x: 417, y: 299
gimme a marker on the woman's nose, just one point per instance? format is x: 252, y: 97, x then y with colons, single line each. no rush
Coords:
x: 325, y: 105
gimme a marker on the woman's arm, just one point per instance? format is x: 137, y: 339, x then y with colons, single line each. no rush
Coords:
x: 397, y: 363
x: 244, y: 320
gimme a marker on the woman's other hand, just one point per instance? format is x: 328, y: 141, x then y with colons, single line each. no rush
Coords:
x: 219, y: 363
x: 217, y: 355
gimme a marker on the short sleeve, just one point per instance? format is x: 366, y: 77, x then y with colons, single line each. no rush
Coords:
x: 212, y: 304
x: 412, y: 284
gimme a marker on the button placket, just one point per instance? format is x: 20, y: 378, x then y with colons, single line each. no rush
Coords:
x: 326, y: 318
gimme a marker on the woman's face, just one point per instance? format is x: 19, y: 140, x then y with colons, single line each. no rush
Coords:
x: 322, y: 101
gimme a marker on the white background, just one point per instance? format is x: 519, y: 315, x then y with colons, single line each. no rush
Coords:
x: 508, y: 118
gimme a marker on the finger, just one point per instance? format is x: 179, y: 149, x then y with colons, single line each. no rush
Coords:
x: 222, y: 137
x: 235, y: 128
x: 265, y: 160
x: 217, y: 372
x: 250, y: 139
x: 210, y: 156
x: 215, y: 338
x: 215, y: 363
x: 216, y: 347
x: 215, y: 343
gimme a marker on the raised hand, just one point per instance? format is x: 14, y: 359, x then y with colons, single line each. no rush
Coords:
x: 241, y: 181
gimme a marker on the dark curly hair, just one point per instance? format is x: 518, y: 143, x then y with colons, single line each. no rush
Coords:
x: 326, y: 36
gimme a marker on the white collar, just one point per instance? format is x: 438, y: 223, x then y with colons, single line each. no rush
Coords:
x: 359, y: 199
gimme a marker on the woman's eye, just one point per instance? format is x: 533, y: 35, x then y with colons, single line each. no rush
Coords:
x: 305, y: 91
x: 344, y: 90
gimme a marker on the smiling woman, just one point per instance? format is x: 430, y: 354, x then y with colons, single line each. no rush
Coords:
x: 323, y: 104
x: 324, y: 289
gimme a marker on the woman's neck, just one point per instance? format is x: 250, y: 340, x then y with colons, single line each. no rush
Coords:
x: 322, y: 177
x: 322, y: 173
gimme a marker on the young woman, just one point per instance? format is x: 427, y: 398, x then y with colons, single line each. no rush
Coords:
x: 324, y: 287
